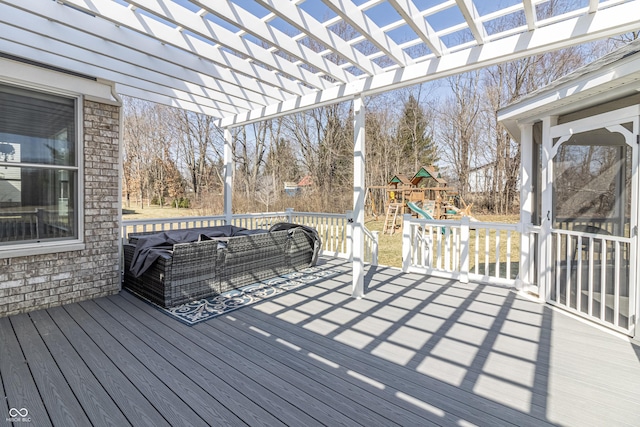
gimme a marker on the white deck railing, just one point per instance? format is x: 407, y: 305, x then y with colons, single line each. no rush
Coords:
x: 332, y: 228
x: 462, y: 250
x: 591, y: 276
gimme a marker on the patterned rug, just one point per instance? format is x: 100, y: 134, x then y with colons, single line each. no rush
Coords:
x: 207, y: 308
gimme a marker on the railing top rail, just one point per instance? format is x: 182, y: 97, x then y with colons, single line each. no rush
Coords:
x: 472, y: 224
x: 199, y: 218
x: 324, y: 215
x: 260, y: 215
x: 598, y: 236
x: 170, y: 220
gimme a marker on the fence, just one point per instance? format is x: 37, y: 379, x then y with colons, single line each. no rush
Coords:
x: 462, y: 250
x: 332, y: 228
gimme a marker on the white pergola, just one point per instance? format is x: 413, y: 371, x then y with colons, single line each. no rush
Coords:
x: 243, y: 61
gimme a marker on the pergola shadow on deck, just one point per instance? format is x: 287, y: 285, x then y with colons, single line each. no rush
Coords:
x: 416, y: 351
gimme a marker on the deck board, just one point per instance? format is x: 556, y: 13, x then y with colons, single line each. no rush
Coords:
x: 60, y: 401
x: 97, y: 404
x: 129, y: 399
x: 441, y: 398
x: 214, y: 374
x: 164, y: 400
x: 19, y: 386
x: 415, y: 351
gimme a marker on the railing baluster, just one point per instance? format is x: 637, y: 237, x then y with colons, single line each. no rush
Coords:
x: 486, y: 252
x: 476, y: 263
x: 508, y: 274
x: 590, y: 292
x: 558, y: 253
x: 439, y: 258
x: 616, y: 289
x: 497, y: 272
x: 456, y: 250
x: 578, y: 252
x: 603, y: 279
x: 569, y: 264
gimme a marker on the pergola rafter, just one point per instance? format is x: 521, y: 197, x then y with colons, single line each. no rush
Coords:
x: 472, y: 18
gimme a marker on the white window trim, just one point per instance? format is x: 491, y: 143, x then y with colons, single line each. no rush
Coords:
x: 18, y: 249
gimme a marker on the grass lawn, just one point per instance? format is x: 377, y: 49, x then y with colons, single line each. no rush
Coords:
x: 155, y: 211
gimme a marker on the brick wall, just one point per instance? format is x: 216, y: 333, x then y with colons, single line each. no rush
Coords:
x: 41, y: 281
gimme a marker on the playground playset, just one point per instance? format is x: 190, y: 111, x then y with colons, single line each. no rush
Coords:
x: 425, y: 195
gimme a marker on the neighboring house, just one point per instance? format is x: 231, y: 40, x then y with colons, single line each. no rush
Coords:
x: 59, y: 188
x: 481, y: 178
x: 306, y: 182
x: 291, y: 188
x: 295, y: 188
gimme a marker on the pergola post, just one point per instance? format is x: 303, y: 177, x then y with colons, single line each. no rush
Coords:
x: 228, y: 175
x: 527, y: 175
x: 547, y: 208
x: 357, y: 226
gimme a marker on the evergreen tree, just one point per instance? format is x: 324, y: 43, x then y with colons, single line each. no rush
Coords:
x: 413, y: 136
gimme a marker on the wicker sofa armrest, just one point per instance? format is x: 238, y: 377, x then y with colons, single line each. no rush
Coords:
x: 189, y: 274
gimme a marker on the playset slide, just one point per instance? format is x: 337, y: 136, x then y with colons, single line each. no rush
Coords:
x: 419, y: 211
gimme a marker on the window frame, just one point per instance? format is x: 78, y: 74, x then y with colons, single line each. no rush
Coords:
x: 17, y: 249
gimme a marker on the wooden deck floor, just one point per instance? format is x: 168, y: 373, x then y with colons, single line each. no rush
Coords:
x: 415, y: 352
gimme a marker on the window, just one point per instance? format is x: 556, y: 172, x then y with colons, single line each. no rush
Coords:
x: 38, y: 167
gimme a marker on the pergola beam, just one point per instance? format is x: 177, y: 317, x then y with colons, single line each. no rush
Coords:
x: 608, y: 22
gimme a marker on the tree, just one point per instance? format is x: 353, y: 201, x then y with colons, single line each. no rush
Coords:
x: 199, y: 146
x: 458, y: 127
x: 413, y: 137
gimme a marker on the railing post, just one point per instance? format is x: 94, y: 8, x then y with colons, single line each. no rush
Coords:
x: 289, y: 213
x: 406, y: 242
x: 464, y: 250
x: 374, y: 249
x: 349, y: 216
x: 522, y: 280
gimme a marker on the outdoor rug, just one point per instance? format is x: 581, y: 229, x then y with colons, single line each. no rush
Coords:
x: 204, y: 309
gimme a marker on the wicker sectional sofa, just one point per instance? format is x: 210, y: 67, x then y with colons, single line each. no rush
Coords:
x: 212, y: 265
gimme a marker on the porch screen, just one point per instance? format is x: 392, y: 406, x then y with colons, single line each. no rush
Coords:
x: 38, y: 166
x: 592, y: 181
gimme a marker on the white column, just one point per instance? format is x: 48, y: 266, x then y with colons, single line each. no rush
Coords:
x: 228, y: 175
x: 547, y: 208
x: 526, y: 206
x: 357, y: 225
